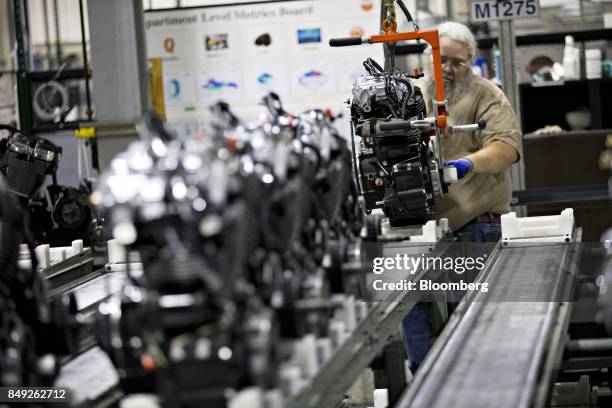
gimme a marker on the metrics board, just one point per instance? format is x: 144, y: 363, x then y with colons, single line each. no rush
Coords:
x: 239, y: 53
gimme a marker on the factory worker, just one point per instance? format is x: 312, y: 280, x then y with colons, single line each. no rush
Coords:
x: 482, y: 158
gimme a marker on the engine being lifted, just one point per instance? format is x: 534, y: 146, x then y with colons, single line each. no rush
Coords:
x: 397, y: 168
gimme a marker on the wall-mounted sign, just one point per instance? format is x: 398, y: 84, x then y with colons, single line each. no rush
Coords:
x: 489, y: 10
x: 238, y: 53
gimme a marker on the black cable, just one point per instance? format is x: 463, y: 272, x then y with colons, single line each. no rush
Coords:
x: 373, y: 67
x: 379, y: 67
x: 405, y: 11
x: 391, y: 95
x: 407, y: 14
x: 410, y: 20
x: 355, y: 161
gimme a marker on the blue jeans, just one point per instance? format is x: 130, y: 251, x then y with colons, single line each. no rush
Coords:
x: 479, y: 230
x: 418, y: 331
x: 416, y: 326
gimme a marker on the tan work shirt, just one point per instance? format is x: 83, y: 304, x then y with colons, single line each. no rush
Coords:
x: 476, y: 194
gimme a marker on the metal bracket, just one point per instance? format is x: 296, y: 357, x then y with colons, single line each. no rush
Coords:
x: 550, y: 228
x: 431, y: 232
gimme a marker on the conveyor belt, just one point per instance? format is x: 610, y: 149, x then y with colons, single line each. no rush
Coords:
x: 491, y: 353
x: 379, y: 327
x: 69, y: 273
x: 93, y: 291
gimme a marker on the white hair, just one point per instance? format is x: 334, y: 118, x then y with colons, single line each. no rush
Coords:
x: 458, y: 32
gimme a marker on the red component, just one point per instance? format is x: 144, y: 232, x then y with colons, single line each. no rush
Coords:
x: 232, y: 144
x: 441, y: 121
x: 431, y: 36
x: 148, y: 363
x: 387, y: 28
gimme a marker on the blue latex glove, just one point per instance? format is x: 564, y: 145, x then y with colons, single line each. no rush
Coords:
x: 463, y: 166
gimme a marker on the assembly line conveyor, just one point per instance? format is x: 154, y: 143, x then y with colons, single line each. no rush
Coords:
x: 502, y: 348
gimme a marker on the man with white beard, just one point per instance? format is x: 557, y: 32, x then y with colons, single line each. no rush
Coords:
x: 482, y: 158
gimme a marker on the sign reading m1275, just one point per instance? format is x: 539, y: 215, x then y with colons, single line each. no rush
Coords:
x: 504, y: 9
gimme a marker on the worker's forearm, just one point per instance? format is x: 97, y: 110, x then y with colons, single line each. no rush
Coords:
x: 493, y: 159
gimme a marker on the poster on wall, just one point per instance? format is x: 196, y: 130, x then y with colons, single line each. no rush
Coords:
x: 238, y: 53
x: 8, y: 108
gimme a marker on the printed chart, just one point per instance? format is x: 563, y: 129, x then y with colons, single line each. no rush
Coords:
x: 239, y: 53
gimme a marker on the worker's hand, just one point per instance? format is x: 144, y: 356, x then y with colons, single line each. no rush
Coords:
x: 447, y: 132
x: 463, y: 166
